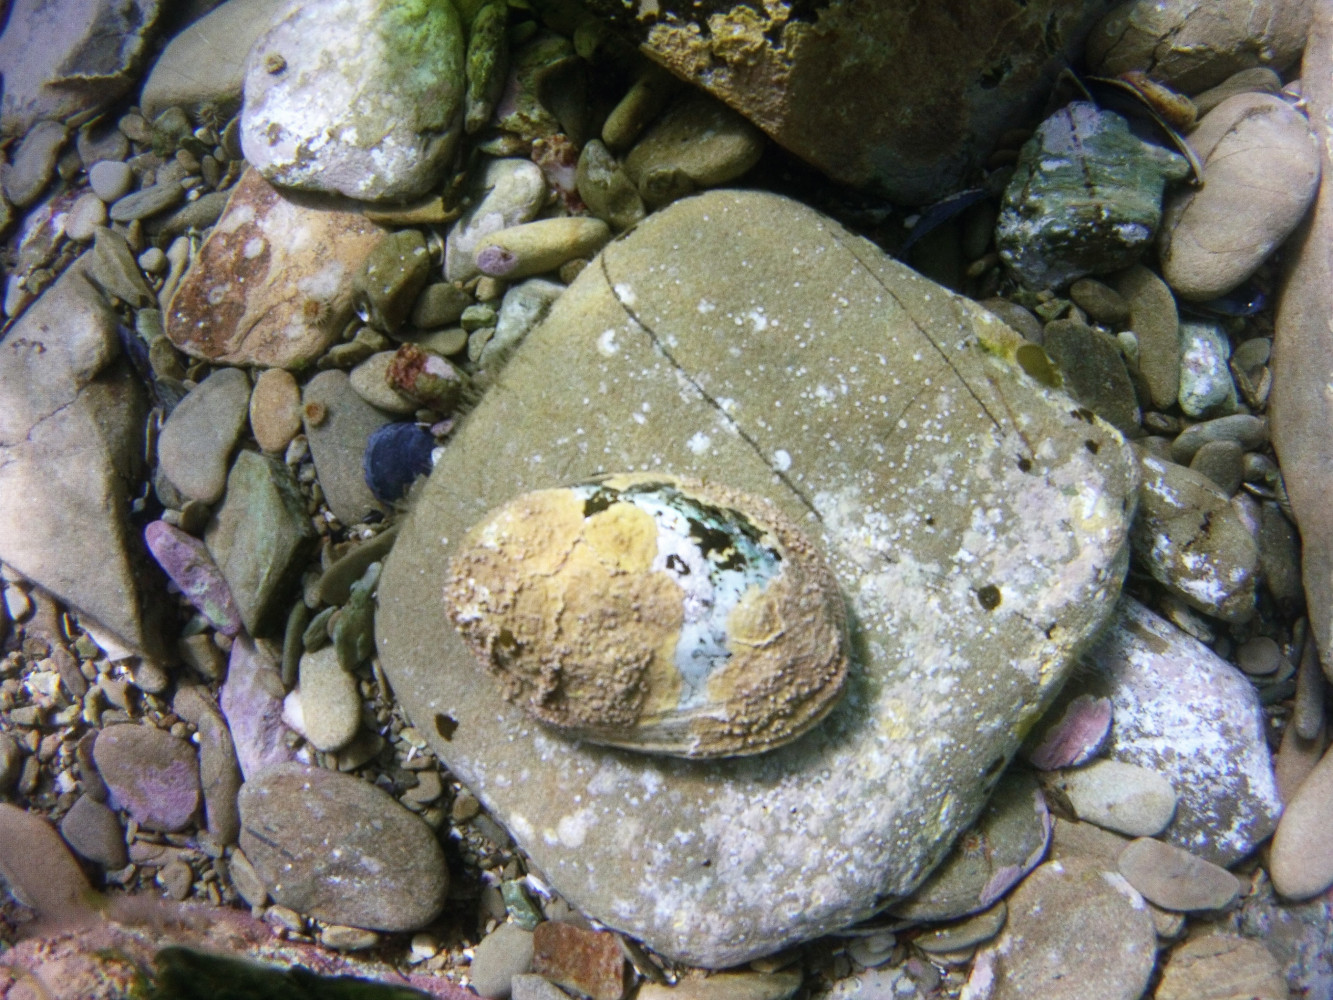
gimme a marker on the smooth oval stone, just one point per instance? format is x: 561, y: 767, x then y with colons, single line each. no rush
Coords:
x: 1174, y: 879
x: 38, y: 868
x: 275, y: 409
x: 888, y: 431
x: 510, y: 191
x: 1075, y: 931
x: 1261, y: 165
x: 151, y: 774
x: 1122, y: 797
x: 1156, y: 324
x: 502, y: 954
x: 336, y: 848
x: 338, y: 438
x: 1301, y: 858
x: 198, y: 436
x: 330, y: 702
x: 110, y: 180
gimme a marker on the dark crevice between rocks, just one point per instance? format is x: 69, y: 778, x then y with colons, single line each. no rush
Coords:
x: 694, y: 383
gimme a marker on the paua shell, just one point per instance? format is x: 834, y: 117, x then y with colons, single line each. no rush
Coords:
x: 1085, y: 198
x: 653, y: 613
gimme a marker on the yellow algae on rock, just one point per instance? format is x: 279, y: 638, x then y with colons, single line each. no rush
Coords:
x: 653, y: 613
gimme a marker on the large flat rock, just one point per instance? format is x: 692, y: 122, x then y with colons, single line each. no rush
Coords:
x: 975, y: 521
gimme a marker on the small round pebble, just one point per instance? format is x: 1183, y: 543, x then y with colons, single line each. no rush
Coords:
x: 1122, y: 797
x: 1222, y: 462
x: 502, y: 954
x: 95, y: 833
x: 85, y: 216
x: 396, y: 455
x: 1174, y: 879
x: 110, y: 180
x: 153, y: 260
x: 176, y: 877
x: 1259, y: 656
x: 275, y: 409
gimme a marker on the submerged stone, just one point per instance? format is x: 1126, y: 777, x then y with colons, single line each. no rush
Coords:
x: 974, y: 521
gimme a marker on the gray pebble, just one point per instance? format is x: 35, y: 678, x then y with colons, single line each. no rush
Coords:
x: 335, y: 847
x: 1016, y: 317
x: 1220, y: 461
x: 330, y: 701
x: 94, y: 832
x: 200, y: 213
x: 439, y: 305
x: 110, y: 180
x: 338, y: 423
x: 149, y: 201
x: 1280, y: 558
x: 1206, y: 388
x: 504, y: 953
x: 1255, y: 80
x: 34, y: 162
x: 11, y: 760
x: 368, y: 380
x: 1117, y: 796
x: 99, y: 141
x: 530, y: 986
x: 1156, y: 323
x: 1250, y: 354
x: 198, y: 437
x: 1101, y: 302
x: 153, y: 260
x: 1247, y: 431
x: 1259, y: 656
x: 1174, y: 879
x: 510, y: 191
x: 1094, y: 372
x: 85, y: 216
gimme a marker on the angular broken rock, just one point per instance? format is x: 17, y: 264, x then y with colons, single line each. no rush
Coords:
x: 897, y: 96
x: 975, y: 521
x: 272, y: 284
x: 71, y: 426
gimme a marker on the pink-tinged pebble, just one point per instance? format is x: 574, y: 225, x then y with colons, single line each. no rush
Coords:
x: 150, y: 773
x: 496, y: 261
x: 185, y: 559
x: 1078, y: 735
x: 251, y: 701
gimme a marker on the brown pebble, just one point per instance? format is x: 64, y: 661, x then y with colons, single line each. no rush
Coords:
x: 589, y: 962
x: 1222, y: 967
x: 316, y: 414
x: 1174, y: 879
x: 275, y: 409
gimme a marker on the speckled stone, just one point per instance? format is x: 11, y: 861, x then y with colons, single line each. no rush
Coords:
x: 1075, y: 931
x: 150, y: 773
x: 335, y: 847
x: 1214, y: 755
x: 856, y: 453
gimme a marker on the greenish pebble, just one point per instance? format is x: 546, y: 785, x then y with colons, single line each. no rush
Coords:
x: 293, y: 641
x: 149, y: 201
x: 444, y: 342
x: 1094, y: 372
x: 1249, y: 431
x: 335, y: 585
x: 316, y: 633
x: 393, y: 275
x: 354, y: 629
x: 1085, y: 198
x: 115, y: 271
x: 519, y: 905
x: 487, y: 62
x: 260, y: 536
x: 439, y: 305
x: 606, y: 188
x: 474, y: 317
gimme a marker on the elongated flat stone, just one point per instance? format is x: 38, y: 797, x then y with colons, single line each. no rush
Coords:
x: 974, y: 520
